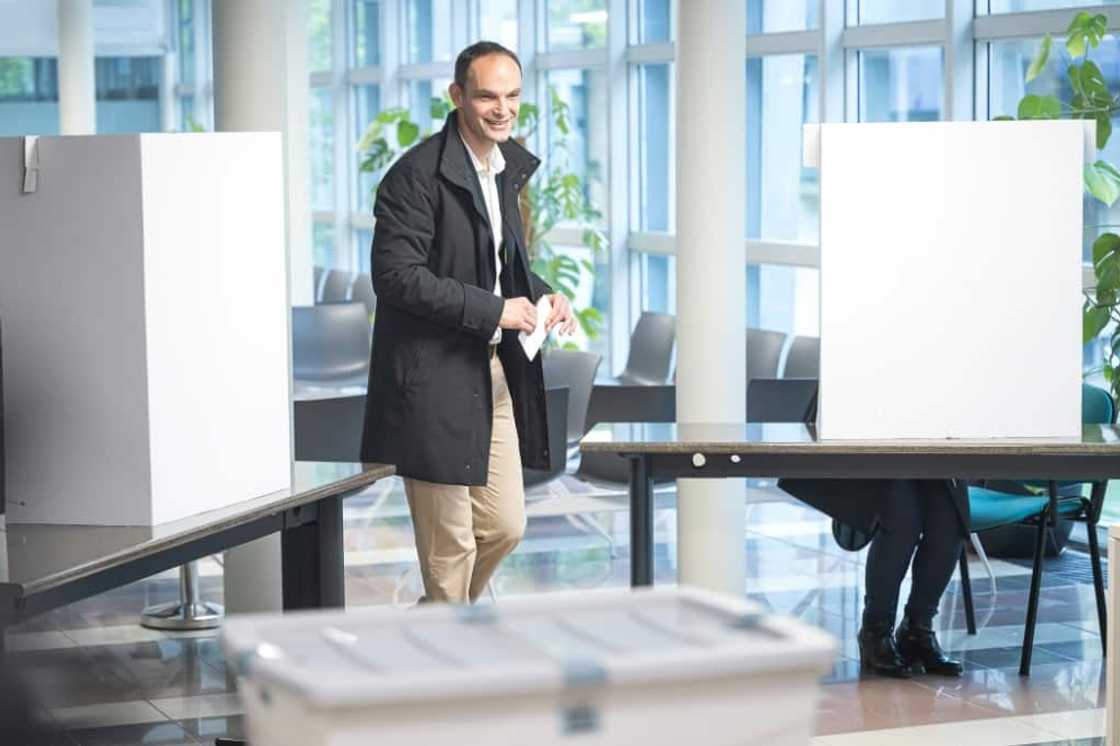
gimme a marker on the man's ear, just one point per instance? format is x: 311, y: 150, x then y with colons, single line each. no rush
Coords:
x: 456, y: 94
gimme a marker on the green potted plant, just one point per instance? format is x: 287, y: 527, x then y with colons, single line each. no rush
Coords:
x: 1090, y: 98
x: 555, y: 195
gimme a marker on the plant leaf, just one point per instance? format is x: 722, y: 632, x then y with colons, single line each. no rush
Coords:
x: 1093, y: 323
x: 1106, y: 244
x: 1039, y: 107
x: 1102, y: 183
x: 1104, y: 129
x: 407, y: 132
x: 1040, y: 59
x: 1003, y: 118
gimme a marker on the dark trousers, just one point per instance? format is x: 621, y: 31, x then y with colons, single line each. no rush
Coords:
x: 921, y: 516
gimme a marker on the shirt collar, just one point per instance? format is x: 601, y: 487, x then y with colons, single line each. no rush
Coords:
x: 497, y: 160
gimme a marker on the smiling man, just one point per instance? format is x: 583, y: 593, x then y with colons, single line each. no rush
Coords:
x: 454, y: 403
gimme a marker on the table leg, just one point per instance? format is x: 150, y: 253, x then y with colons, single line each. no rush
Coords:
x: 641, y: 522
x: 312, y: 560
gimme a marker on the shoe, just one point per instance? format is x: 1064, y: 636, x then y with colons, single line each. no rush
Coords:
x: 917, y: 643
x: 878, y: 654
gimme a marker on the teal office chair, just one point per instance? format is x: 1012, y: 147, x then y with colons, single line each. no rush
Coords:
x: 995, y: 504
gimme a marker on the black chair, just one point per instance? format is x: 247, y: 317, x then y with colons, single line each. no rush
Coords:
x: 330, y: 344
x: 329, y: 429
x: 574, y: 370
x: 362, y: 291
x: 651, y: 350
x: 624, y: 403
x: 764, y: 350
x: 336, y: 286
x: 782, y: 400
x: 804, y: 358
x: 316, y: 281
x: 556, y: 405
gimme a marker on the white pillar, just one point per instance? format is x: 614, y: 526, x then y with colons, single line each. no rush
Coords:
x: 711, y: 276
x: 77, y: 96
x: 261, y: 84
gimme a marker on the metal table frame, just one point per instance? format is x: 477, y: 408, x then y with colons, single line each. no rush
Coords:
x: 810, y: 461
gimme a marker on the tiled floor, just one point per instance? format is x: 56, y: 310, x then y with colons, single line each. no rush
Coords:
x: 102, y: 679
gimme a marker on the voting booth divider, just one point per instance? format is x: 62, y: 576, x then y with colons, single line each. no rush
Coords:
x: 144, y: 295
x: 950, y: 278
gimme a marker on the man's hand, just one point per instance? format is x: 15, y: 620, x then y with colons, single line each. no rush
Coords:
x: 561, y: 314
x: 520, y: 314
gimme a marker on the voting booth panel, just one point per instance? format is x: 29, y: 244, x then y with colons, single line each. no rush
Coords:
x: 951, y: 281
x: 657, y: 667
x: 143, y: 292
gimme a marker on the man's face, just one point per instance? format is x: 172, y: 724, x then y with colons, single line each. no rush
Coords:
x: 489, y: 102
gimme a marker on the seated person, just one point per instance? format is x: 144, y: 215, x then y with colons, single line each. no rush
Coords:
x: 903, y: 515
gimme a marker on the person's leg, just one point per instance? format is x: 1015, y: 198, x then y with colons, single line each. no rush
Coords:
x: 936, y: 558
x: 888, y: 557
x: 498, y: 507
x: 441, y: 520
x: 938, y: 552
x: 887, y: 562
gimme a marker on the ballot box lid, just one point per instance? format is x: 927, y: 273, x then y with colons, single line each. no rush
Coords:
x: 537, y: 644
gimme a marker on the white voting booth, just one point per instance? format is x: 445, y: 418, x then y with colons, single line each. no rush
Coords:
x: 951, y: 283
x: 143, y: 296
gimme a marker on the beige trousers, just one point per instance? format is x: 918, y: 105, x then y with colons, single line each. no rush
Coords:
x: 462, y: 533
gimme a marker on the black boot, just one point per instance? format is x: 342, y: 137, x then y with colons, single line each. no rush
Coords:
x: 917, y: 643
x: 877, y: 651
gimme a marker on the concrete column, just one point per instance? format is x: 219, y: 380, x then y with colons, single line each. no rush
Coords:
x: 77, y: 95
x: 711, y: 277
x: 261, y: 84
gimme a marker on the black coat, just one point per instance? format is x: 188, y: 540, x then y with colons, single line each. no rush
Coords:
x: 429, y: 408
x: 859, y: 503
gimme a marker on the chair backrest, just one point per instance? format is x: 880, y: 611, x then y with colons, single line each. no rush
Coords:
x: 1097, y: 406
x: 804, y: 358
x: 651, y: 349
x: 317, y: 280
x: 782, y: 400
x: 362, y: 291
x: 574, y: 370
x: 336, y: 286
x: 330, y: 342
x: 556, y: 404
x: 329, y: 429
x: 764, y: 349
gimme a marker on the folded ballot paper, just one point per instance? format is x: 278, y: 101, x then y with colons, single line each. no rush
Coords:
x: 531, y: 343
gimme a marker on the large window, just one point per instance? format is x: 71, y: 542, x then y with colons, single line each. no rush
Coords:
x: 1017, y: 6
x: 892, y: 11
x: 321, y: 151
x: 367, y: 33
x: 319, y: 35
x: 127, y: 90
x: 804, y: 62
x: 428, y: 30
x: 655, y: 207
x: 583, y: 148
x: 497, y: 21
x: 900, y: 85
x: 576, y: 24
x: 783, y: 199
x: 769, y: 16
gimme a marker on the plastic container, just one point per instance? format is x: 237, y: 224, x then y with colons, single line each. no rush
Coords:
x: 650, y: 667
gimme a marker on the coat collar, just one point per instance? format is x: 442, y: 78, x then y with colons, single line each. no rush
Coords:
x: 455, y: 163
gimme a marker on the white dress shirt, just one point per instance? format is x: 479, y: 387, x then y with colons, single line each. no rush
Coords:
x: 488, y: 178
